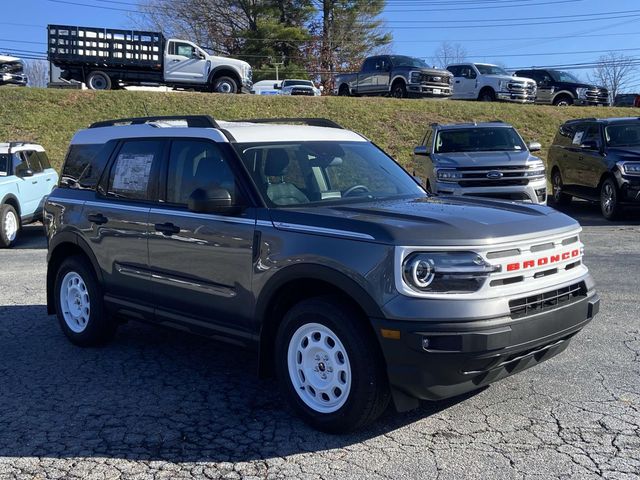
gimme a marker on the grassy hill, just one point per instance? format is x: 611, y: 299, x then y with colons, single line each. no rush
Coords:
x: 50, y: 117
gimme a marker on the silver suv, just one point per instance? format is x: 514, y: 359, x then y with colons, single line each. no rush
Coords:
x: 482, y: 160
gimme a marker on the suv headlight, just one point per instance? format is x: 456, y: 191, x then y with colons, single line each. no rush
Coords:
x: 446, y: 272
x: 630, y: 168
x: 447, y: 175
x: 582, y: 93
x: 535, y: 169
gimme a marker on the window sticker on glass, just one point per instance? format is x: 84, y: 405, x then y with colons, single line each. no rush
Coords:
x: 577, y: 138
x: 132, y: 173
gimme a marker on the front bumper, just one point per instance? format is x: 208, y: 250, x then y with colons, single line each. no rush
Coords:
x: 422, y: 90
x: 629, y: 189
x: 534, y: 192
x: 516, y: 97
x: 464, y: 355
x: 591, y: 103
x: 13, y: 79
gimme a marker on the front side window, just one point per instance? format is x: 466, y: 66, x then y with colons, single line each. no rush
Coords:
x: 623, y: 135
x: 479, y: 140
x: 83, y: 166
x: 34, y: 161
x: 314, y: 173
x: 197, y: 165
x: 20, y: 164
x: 182, y: 49
x: 133, y: 169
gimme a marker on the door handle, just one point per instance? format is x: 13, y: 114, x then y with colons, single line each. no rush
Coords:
x: 167, y: 229
x: 97, y: 218
x: 457, y: 81
x: 48, y: 179
x: 34, y: 182
x: 175, y: 60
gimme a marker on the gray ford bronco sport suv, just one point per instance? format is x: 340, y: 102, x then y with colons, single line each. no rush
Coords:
x: 308, y: 244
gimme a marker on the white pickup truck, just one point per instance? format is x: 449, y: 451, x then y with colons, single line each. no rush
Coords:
x: 486, y: 82
x: 106, y: 59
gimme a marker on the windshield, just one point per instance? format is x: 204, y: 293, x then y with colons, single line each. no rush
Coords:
x: 11, y: 67
x: 479, y: 140
x: 318, y: 173
x: 623, y: 135
x: 491, y: 70
x: 559, y: 76
x: 291, y: 83
x: 4, y: 164
x: 402, y: 61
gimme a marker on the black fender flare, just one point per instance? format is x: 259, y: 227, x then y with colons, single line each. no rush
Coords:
x: 75, y: 239
x: 11, y: 196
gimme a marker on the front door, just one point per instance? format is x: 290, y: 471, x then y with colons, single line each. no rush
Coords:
x: 202, y: 262
x: 464, y: 84
x: 185, y: 63
x: 28, y: 184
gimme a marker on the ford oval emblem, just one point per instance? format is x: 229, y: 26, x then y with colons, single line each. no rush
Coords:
x: 494, y: 174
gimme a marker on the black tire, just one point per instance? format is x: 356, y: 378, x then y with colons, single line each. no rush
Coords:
x: 609, y: 200
x: 369, y: 393
x: 563, y: 101
x: 487, y: 95
x: 98, y: 80
x: 558, y: 197
x: 399, y: 90
x: 98, y: 328
x: 9, y: 226
x: 225, y: 85
x: 343, y: 91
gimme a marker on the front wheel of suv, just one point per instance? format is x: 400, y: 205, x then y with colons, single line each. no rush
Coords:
x: 609, y: 203
x: 79, y: 304
x: 9, y: 226
x: 558, y: 197
x: 329, y: 369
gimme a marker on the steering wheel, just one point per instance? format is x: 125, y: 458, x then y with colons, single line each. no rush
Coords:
x: 356, y: 188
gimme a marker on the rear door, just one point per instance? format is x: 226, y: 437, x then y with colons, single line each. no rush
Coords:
x: 464, y: 81
x: 202, y: 263
x: 119, y: 219
x: 49, y: 174
x: 383, y: 75
x: 367, y: 77
x: 184, y: 63
x: 591, y: 160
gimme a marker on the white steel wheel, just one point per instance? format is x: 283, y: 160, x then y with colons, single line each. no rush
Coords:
x: 75, y: 302
x: 10, y: 225
x: 319, y: 368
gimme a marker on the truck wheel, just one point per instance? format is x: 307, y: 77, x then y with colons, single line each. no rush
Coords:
x: 78, y: 298
x: 330, y: 371
x: 344, y: 91
x: 487, y: 95
x: 99, y: 81
x: 609, y: 203
x: 9, y: 226
x: 563, y: 101
x: 399, y: 90
x: 558, y: 197
x: 225, y: 85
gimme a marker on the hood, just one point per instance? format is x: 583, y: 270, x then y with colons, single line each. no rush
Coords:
x: 580, y: 85
x: 239, y: 64
x: 7, y: 58
x: 432, y: 221
x: 429, y: 71
x: 632, y: 152
x: 483, y: 159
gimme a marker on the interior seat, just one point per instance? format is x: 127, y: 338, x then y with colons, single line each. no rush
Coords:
x: 280, y: 191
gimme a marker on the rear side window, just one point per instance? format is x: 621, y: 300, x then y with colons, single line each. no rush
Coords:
x: 133, y: 170
x: 83, y: 166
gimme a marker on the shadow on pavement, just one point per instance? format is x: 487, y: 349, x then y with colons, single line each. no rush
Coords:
x: 589, y: 215
x: 31, y: 237
x: 152, y: 394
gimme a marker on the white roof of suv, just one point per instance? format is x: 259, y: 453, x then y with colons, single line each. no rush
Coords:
x: 20, y: 146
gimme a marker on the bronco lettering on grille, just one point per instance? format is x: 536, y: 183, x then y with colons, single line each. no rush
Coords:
x: 542, y: 261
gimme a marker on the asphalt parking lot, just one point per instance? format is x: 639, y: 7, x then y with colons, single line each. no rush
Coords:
x: 163, y: 404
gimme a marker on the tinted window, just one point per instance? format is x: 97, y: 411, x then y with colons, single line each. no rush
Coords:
x: 4, y: 164
x: 132, y: 170
x: 369, y: 64
x: 478, y: 140
x: 565, y: 135
x: 83, y: 166
x: 20, y: 165
x: 455, y: 70
x: 197, y: 165
x: 34, y: 161
x: 44, y: 160
x: 586, y: 133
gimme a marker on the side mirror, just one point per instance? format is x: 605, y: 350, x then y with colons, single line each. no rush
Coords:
x: 421, y: 151
x: 590, y: 145
x: 276, y: 86
x: 534, y: 146
x: 214, y: 201
x: 26, y: 173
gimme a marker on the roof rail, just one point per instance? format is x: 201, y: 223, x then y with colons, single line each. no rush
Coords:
x: 193, y: 121
x: 588, y: 119
x: 17, y: 143
x: 312, y: 122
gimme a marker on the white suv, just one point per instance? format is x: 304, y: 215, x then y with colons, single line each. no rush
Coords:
x: 26, y: 178
x: 486, y: 82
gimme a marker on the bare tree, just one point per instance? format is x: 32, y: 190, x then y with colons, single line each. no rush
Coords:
x: 448, y: 53
x: 614, y: 71
x: 37, y: 72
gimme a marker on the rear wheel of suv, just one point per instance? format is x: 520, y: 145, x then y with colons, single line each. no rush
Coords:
x: 9, y: 226
x: 330, y: 371
x: 79, y: 305
x: 609, y: 203
x: 558, y: 197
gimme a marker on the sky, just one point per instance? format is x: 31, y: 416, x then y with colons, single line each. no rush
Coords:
x: 513, y: 33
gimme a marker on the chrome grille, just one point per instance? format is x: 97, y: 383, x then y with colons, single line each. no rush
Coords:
x: 502, y: 176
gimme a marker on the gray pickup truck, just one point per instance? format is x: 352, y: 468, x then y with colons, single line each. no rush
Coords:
x: 396, y: 75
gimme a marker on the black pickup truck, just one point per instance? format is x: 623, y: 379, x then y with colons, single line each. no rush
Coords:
x: 559, y: 88
x: 395, y: 75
